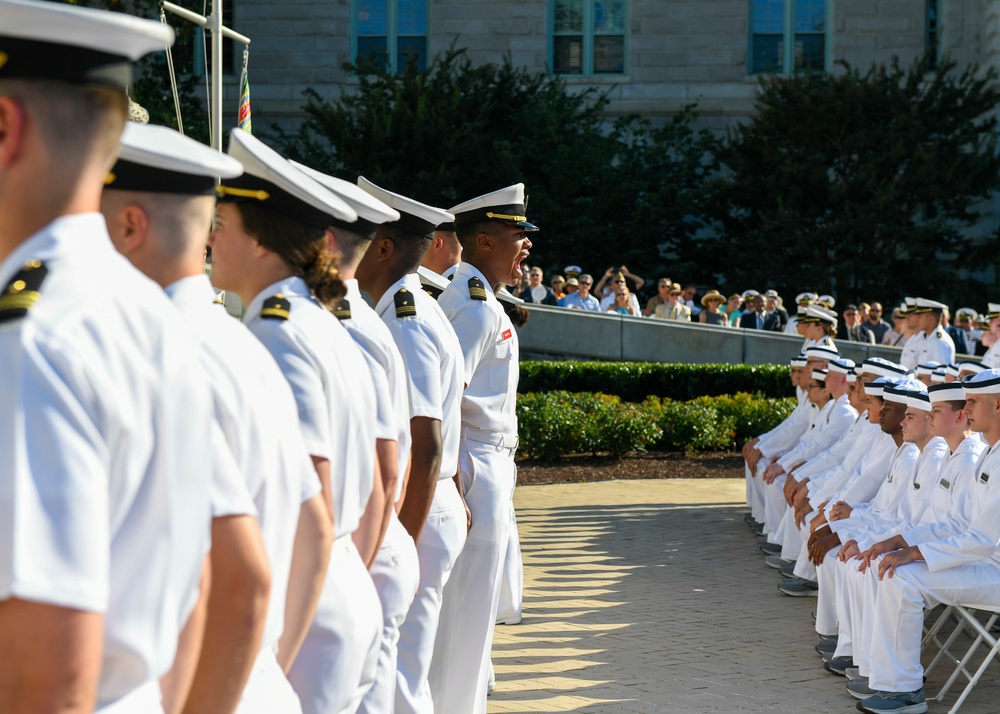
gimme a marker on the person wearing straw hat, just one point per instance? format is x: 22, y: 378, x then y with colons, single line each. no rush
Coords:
x: 711, y: 315
x: 106, y: 504
x: 270, y: 247
x: 493, y: 229
x: 674, y: 308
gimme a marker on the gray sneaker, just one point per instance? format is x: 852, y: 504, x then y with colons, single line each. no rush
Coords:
x: 895, y: 703
x: 788, y: 570
x: 859, y: 689
x: 837, y: 665
x: 799, y: 587
x: 768, y: 548
x: 854, y: 674
x: 776, y: 561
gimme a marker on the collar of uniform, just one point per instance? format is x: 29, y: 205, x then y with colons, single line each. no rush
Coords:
x: 352, y: 288
x: 79, y: 234
x: 410, y: 281
x: 468, y: 270
x: 451, y: 271
x: 292, y: 285
x: 192, y: 292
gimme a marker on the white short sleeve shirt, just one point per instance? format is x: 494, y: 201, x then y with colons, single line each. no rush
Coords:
x: 105, y: 448
x: 333, y: 390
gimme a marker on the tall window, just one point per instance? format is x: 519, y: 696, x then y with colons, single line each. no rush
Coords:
x: 787, y: 36
x: 932, y: 39
x: 588, y: 36
x: 389, y: 32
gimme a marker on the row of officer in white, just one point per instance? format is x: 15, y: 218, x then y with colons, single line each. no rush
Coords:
x: 929, y: 342
x: 270, y: 247
x: 158, y: 203
x: 105, y: 413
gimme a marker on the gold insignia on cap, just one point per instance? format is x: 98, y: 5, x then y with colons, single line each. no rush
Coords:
x: 21, y: 293
x: 477, y: 291
x: 405, y: 304
x: 3, y: 59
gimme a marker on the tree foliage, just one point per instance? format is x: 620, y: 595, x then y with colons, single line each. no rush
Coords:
x: 603, y: 192
x: 861, y: 184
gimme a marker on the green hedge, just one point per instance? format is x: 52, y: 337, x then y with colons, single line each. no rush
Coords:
x: 634, y: 381
x: 558, y: 423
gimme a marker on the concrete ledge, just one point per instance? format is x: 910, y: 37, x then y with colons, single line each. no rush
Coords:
x: 558, y: 333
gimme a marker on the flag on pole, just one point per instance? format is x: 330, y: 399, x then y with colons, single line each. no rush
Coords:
x: 244, y: 121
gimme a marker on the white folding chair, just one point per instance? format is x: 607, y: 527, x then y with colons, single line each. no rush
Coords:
x: 968, y: 615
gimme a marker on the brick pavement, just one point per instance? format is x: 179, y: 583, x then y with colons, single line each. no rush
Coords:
x: 651, y: 596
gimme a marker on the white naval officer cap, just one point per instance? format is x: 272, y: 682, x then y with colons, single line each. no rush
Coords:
x: 986, y: 382
x: 993, y: 310
x: 53, y: 41
x: 882, y: 367
x: 158, y: 159
x: 927, y: 368
x: 951, y: 392
x: 967, y: 312
x: 270, y: 181
x: 806, y: 298
x: 842, y: 365
x: 824, y: 353
x: 874, y: 388
x: 371, y: 211
x: 924, y: 306
x: 970, y: 367
x: 432, y: 279
x: 414, y: 216
x: 816, y: 313
x: 507, y: 205
x: 827, y: 301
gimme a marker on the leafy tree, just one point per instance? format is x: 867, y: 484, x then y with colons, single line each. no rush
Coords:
x: 602, y: 193
x: 862, y: 184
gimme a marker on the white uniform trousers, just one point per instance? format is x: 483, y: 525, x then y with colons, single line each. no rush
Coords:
x: 899, y: 616
x: 396, y: 574
x: 859, y: 592
x: 826, y: 603
x: 144, y: 699
x: 774, y: 504
x: 511, y: 577
x: 336, y: 665
x: 268, y: 690
x: 755, y: 490
x: 441, y: 541
x: 460, y: 667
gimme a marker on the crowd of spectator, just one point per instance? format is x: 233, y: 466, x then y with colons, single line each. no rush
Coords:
x: 617, y: 291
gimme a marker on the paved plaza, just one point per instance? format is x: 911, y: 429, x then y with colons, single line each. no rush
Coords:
x: 651, y: 596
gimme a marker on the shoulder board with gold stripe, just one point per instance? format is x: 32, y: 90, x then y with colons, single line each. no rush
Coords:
x: 433, y: 290
x: 342, y: 310
x: 276, y: 307
x: 22, y: 291
x: 477, y: 291
x: 405, y: 304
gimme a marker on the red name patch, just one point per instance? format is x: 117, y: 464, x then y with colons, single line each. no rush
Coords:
x: 506, y: 334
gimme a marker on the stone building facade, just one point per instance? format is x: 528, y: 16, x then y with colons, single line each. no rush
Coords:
x: 654, y: 56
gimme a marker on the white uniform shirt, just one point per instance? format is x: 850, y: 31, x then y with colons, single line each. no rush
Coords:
x: 832, y: 421
x: 898, y: 478
x: 433, y: 359
x: 257, y: 412
x: 828, y: 483
x: 945, y: 544
x: 333, y: 391
x: 104, y: 445
x: 949, y: 495
x: 490, y: 351
x: 910, y: 357
x: 379, y: 348
x: 991, y: 360
x: 937, y: 347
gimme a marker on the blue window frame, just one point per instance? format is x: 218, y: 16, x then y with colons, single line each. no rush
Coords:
x: 588, y: 36
x: 788, y: 36
x: 389, y: 33
x: 932, y: 31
